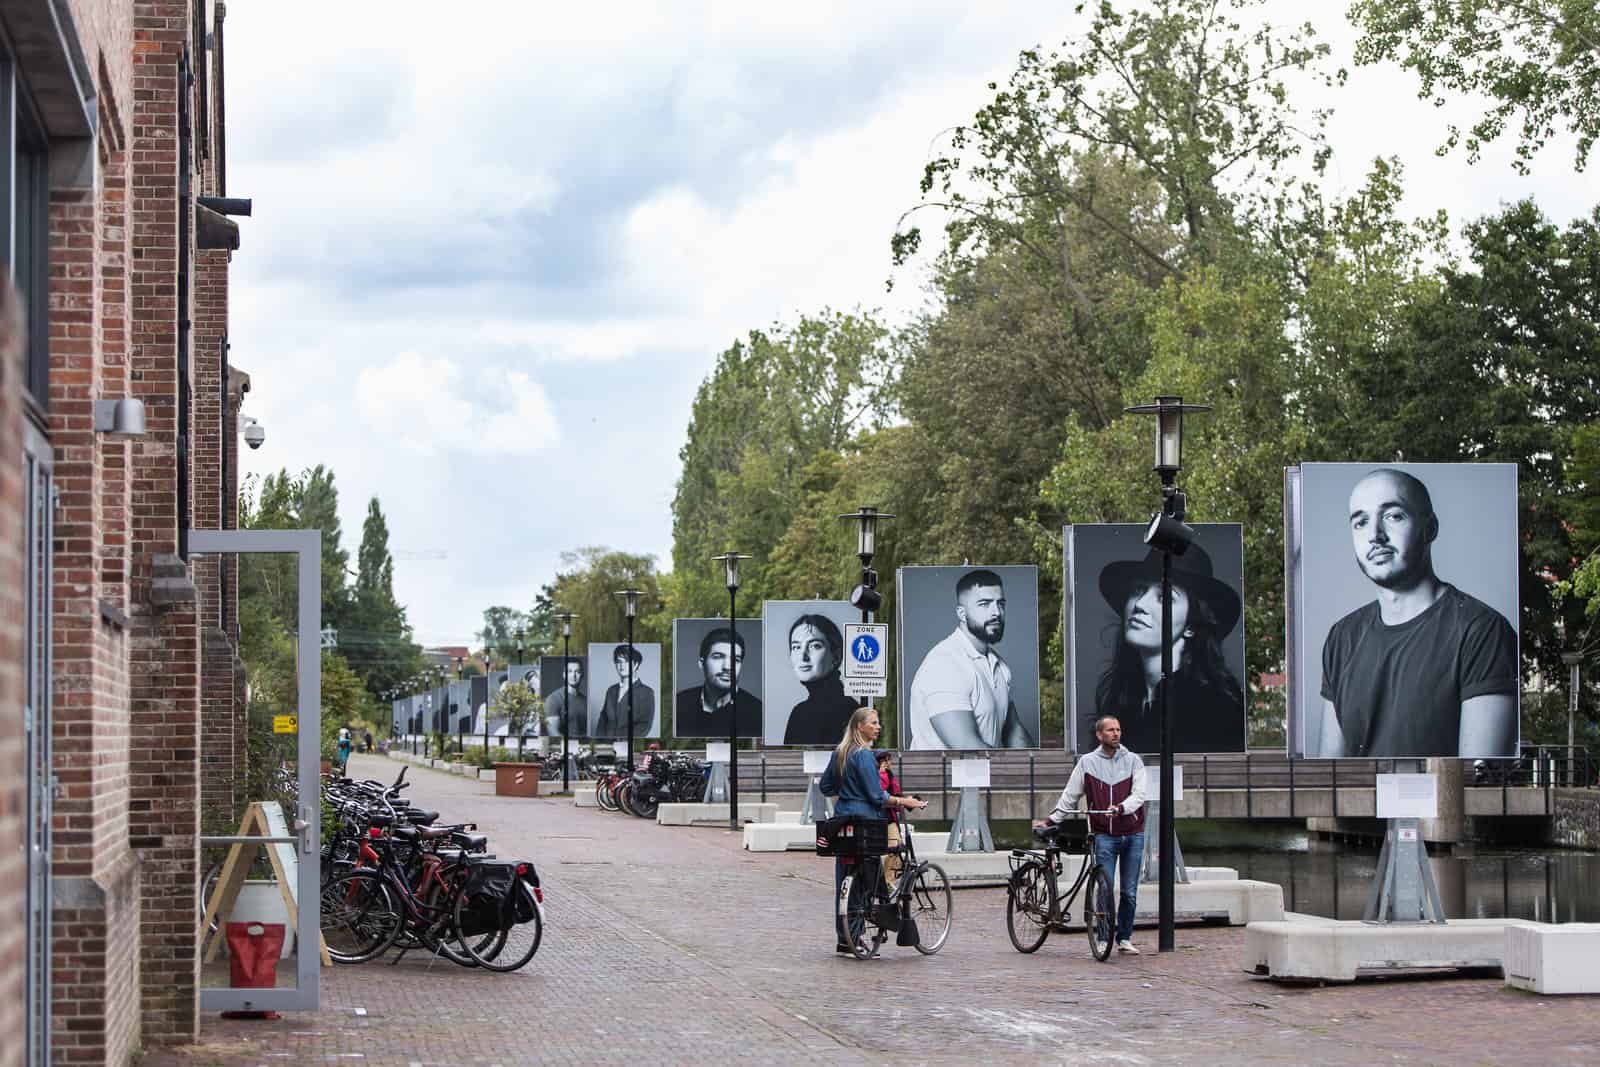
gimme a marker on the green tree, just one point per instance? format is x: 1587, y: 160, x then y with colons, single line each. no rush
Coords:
x: 377, y: 639
x: 1537, y: 62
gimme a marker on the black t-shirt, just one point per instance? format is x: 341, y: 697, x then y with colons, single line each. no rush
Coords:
x: 691, y: 719
x: 1398, y: 689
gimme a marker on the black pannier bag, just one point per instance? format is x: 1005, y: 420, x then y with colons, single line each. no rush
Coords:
x: 494, y: 899
x: 853, y: 836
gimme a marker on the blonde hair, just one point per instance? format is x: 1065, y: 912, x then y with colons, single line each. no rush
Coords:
x: 853, y: 737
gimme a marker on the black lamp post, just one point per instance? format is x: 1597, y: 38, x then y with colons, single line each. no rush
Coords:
x: 630, y: 607
x: 523, y: 729
x: 730, y: 565
x: 1172, y: 536
x: 865, y: 597
x: 566, y: 618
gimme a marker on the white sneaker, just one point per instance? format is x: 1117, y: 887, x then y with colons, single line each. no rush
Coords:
x: 1127, y: 946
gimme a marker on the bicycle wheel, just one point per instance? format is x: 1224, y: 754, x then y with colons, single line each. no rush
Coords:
x: 855, y: 909
x: 645, y: 804
x: 1099, y: 913
x: 509, y: 948
x: 360, y: 917
x: 931, y: 904
x: 1030, y: 902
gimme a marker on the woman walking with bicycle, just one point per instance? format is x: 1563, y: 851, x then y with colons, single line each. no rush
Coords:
x: 852, y: 777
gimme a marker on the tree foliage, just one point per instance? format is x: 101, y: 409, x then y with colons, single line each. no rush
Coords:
x: 1537, y: 62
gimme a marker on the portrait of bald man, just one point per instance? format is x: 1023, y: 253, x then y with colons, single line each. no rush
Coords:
x: 1424, y: 668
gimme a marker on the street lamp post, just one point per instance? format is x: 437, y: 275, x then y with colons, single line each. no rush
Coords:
x: 566, y: 618
x: 521, y: 730
x: 730, y: 564
x: 630, y: 607
x: 1574, y: 663
x: 1172, y: 536
x: 865, y: 597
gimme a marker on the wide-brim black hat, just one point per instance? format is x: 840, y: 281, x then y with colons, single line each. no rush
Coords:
x: 1192, y: 571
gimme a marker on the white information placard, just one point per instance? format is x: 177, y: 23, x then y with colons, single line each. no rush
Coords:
x: 866, y: 650
x: 1152, y: 782
x: 620, y: 748
x: 717, y: 751
x: 969, y: 773
x: 815, y: 762
x: 1408, y: 796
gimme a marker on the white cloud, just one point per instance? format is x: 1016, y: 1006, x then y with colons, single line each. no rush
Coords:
x: 428, y: 405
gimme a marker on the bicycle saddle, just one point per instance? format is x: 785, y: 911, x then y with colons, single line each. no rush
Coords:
x: 1047, y: 833
x: 418, y: 815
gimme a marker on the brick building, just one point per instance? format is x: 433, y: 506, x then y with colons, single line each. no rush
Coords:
x: 117, y: 435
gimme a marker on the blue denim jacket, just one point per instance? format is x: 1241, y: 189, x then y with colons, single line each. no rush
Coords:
x: 859, y: 789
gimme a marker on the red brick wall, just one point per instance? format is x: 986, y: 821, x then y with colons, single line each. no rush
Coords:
x: 164, y: 665
x: 13, y: 790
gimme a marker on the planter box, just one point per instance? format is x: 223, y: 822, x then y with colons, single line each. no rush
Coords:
x: 516, y: 779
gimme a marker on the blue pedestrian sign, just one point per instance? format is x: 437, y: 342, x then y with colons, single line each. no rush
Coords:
x: 866, y: 661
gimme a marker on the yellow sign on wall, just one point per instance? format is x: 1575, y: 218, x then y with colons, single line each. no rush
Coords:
x: 285, y: 724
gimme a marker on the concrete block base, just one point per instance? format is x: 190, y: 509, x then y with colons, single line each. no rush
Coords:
x: 585, y: 798
x: 1548, y: 958
x: 1305, y: 948
x: 713, y: 814
x: 789, y: 835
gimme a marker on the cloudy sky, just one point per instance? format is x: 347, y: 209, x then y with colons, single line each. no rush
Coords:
x: 493, y: 254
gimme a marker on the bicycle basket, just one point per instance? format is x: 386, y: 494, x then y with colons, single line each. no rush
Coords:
x: 852, y: 836
x: 493, y: 899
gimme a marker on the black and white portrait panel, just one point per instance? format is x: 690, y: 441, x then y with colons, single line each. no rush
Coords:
x: 475, y: 696
x: 706, y: 653
x: 609, y: 695
x: 804, y: 697
x: 1113, y: 609
x: 969, y: 654
x: 561, y: 679
x: 1403, y: 595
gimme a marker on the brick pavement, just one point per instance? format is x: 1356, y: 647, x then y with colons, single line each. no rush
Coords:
x: 674, y: 945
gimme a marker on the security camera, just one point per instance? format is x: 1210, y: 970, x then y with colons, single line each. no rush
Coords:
x: 254, y: 434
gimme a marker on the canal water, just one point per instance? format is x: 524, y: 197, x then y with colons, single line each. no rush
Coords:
x: 1332, y: 878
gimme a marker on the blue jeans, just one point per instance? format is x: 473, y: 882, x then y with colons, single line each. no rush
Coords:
x: 1127, y: 853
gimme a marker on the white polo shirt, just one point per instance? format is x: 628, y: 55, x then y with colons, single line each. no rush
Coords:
x: 955, y: 676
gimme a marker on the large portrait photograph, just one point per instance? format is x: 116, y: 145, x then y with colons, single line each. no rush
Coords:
x: 1403, y: 609
x: 708, y: 658
x: 804, y: 698
x: 1113, y: 612
x: 611, y: 701
x: 969, y: 657
x: 562, y: 679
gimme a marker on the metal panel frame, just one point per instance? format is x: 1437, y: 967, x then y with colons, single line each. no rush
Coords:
x: 307, y: 546
x: 38, y: 613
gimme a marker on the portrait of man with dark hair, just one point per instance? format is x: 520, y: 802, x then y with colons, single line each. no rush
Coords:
x: 562, y: 682
x: 610, y: 715
x: 705, y: 709
x: 961, y: 694
x: 1422, y: 669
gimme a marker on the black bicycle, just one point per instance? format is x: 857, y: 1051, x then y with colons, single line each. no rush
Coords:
x: 915, y: 907
x: 1034, y: 904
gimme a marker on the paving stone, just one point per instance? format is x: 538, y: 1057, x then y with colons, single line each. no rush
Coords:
x: 675, y: 945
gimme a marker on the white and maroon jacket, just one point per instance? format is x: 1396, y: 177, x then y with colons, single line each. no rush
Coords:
x: 1108, y: 781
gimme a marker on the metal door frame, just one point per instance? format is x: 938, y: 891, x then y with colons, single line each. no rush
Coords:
x: 38, y: 583
x: 307, y: 546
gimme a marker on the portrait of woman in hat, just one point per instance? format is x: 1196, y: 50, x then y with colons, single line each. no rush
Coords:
x: 1206, y: 699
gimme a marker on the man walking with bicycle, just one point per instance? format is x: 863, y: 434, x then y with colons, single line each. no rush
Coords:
x: 1111, y: 777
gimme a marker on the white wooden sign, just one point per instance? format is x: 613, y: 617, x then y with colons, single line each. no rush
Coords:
x: 1408, y: 796
x: 969, y: 773
x: 816, y: 762
x: 717, y: 751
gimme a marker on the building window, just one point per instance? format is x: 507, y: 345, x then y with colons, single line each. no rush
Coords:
x: 25, y: 156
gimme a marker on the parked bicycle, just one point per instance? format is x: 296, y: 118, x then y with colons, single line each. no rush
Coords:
x: 916, y: 908
x: 1035, y: 906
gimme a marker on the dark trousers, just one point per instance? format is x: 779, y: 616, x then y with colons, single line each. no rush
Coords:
x: 1122, y: 857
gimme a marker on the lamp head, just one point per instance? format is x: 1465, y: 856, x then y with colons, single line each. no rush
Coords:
x: 730, y: 567
x: 630, y: 601
x: 566, y: 618
x: 866, y: 519
x: 1168, y: 411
